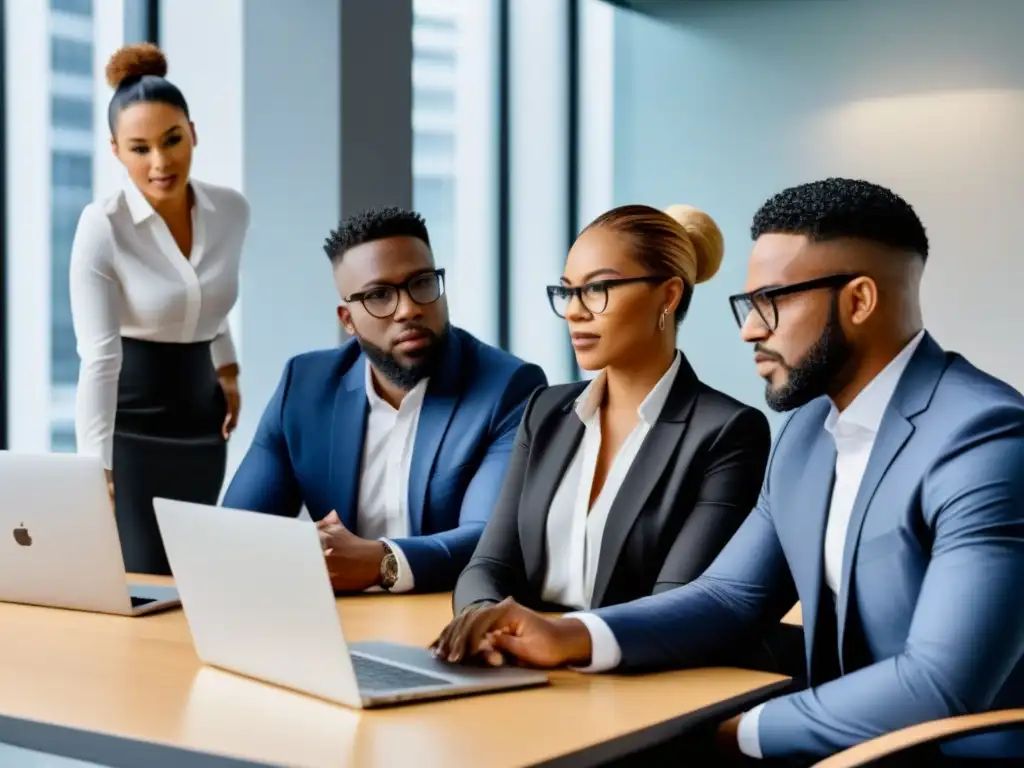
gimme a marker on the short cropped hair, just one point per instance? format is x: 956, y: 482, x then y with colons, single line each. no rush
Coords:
x: 843, y: 208
x: 374, y: 224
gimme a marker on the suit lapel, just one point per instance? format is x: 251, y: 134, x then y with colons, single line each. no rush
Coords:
x: 658, y: 450
x: 814, y: 490
x: 912, y: 395
x: 893, y: 434
x: 439, y: 403
x: 346, y: 447
x: 552, y: 466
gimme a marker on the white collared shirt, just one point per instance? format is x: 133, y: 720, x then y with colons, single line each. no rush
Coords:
x: 575, y: 528
x: 854, y: 431
x: 129, y: 278
x: 383, y: 511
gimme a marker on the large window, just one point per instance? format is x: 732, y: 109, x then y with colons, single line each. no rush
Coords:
x: 55, y: 52
x: 455, y: 156
x: 71, y: 157
x: 495, y: 162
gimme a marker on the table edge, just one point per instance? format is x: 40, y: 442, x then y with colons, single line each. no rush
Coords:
x: 109, y: 750
x: 116, y: 751
x: 653, y: 735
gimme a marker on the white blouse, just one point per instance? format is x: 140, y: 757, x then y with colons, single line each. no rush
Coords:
x: 129, y: 278
x: 574, y: 528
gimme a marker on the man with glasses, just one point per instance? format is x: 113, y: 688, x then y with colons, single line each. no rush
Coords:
x: 892, y: 508
x: 398, y: 442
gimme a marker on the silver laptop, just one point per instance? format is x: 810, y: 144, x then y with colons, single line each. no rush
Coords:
x: 58, y: 538
x: 259, y: 602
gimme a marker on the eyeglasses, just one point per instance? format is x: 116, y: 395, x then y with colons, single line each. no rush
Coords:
x: 763, y: 301
x: 382, y: 300
x: 593, y: 296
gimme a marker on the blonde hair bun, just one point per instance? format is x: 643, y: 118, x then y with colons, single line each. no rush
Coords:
x: 708, y: 243
x: 135, y: 61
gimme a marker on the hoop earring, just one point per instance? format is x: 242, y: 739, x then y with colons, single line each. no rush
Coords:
x: 661, y: 320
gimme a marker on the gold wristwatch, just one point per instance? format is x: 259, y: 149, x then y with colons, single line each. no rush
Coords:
x: 388, y: 568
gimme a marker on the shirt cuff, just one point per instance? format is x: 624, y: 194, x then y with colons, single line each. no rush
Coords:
x: 747, y: 735
x: 103, y: 449
x: 405, y: 581
x: 222, y: 349
x: 605, y: 653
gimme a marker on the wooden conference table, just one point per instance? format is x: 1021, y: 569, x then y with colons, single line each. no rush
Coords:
x: 131, y: 691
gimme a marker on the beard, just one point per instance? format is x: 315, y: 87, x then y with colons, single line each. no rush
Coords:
x: 405, y: 376
x: 817, y: 373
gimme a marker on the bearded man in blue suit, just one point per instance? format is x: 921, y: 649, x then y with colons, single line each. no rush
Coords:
x: 892, y: 508
x: 398, y: 442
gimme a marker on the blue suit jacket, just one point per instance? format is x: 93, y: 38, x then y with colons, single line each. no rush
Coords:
x: 309, y: 445
x: 930, y: 614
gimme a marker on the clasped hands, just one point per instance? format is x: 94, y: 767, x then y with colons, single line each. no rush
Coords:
x: 353, y: 563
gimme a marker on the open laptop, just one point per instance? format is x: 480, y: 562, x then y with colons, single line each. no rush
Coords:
x: 259, y: 602
x: 58, y: 538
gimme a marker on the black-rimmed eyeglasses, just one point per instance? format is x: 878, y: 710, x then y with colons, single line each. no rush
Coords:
x: 763, y: 301
x: 593, y: 296
x: 382, y: 300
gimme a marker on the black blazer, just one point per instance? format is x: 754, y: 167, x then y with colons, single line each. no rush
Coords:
x: 695, y: 479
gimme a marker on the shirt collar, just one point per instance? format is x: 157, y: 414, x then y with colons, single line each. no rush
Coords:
x: 141, y: 210
x: 589, y: 399
x: 376, y: 401
x: 868, y: 408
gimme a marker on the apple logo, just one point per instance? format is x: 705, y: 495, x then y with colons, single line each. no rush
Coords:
x: 22, y: 536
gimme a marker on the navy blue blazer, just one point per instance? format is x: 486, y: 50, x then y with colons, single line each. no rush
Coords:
x: 308, y: 448
x: 929, y: 613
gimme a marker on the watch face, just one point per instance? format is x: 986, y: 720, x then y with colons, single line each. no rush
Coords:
x: 388, y: 571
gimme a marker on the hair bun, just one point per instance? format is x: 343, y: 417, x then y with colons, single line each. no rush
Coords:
x: 706, y: 238
x: 135, y: 61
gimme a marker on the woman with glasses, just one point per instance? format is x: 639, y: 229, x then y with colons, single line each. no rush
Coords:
x: 630, y: 484
x: 154, y: 272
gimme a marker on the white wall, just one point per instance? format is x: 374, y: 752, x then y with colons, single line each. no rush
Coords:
x: 274, y: 107
x: 724, y: 103
x: 203, y: 42
x: 596, y: 109
x: 263, y: 89
x: 538, y: 183
x: 473, y: 276
x: 291, y: 161
x: 27, y: 303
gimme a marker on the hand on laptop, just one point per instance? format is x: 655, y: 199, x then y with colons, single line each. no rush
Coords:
x: 352, y: 563
x: 488, y: 633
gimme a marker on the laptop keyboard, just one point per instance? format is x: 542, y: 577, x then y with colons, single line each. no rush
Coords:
x: 374, y: 675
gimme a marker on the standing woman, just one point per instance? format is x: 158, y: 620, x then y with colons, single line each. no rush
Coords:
x: 154, y: 273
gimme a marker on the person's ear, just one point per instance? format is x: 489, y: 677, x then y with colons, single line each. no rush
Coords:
x: 862, y: 295
x: 195, y: 136
x: 674, y: 288
x: 345, y: 316
x: 113, y: 146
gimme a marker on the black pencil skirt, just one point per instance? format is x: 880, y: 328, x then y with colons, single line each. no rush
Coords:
x: 167, y: 441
